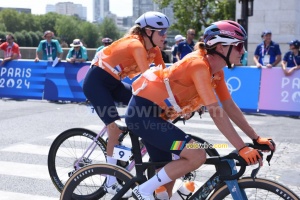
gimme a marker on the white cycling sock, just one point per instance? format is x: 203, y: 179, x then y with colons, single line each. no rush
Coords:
x: 110, y: 180
x: 153, y: 183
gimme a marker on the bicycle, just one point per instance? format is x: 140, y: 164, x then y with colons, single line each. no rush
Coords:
x: 225, y: 183
x: 78, y: 147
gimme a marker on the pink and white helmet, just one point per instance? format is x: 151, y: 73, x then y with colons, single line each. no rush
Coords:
x: 226, y: 32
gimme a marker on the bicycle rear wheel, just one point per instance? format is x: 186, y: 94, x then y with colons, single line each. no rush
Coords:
x: 258, y: 189
x: 87, y: 183
x: 67, y: 148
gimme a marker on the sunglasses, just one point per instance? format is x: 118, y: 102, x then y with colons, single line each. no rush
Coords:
x: 161, y: 32
x: 239, y: 46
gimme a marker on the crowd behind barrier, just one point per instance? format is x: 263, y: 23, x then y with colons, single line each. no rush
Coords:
x: 253, y: 89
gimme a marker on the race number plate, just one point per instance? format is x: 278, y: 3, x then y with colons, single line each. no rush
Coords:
x: 121, y: 153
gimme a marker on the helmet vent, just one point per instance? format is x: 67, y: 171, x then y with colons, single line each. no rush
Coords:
x: 239, y: 34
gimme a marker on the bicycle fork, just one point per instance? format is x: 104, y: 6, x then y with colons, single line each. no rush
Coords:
x: 236, y: 192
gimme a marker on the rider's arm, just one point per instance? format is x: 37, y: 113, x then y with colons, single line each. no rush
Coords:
x: 232, y: 110
x: 202, y: 80
x: 158, y: 60
x: 236, y: 115
x: 223, y: 123
x: 140, y: 55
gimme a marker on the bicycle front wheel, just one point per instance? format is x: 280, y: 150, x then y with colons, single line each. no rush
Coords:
x: 67, y: 148
x: 88, y: 182
x: 258, y: 189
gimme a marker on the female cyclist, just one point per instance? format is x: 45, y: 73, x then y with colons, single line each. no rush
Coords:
x: 180, y: 89
x: 127, y: 56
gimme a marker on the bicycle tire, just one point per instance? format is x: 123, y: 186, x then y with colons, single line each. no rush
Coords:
x: 255, y: 189
x: 60, y: 166
x: 84, y: 177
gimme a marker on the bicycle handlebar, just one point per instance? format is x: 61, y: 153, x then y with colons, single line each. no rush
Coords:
x: 243, y: 164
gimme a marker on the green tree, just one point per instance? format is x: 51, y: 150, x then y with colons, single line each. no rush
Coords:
x: 89, y: 34
x: 11, y: 19
x: 2, y: 26
x: 20, y: 39
x: 48, y: 21
x: 35, y: 38
x: 28, y: 39
x: 30, y: 22
x: 67, y: 28
x: 3, y: 34
x: 108, y: 28
x: 198, y: 14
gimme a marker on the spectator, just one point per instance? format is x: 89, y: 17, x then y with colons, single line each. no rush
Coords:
x: 50, y: 48
x: 105, y: 41
x: 201, y: 39
x: 268, y: 52
x: 165, y: 56
x: 178, y: 39
x: 63, y: 44
x: 244, y: 58
x: 10, y: 48
x: 187, y: 46
x: 291, y: 58
x: 78, y: 53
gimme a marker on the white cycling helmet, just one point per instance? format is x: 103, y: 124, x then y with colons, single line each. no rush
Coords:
x: 154, y: 20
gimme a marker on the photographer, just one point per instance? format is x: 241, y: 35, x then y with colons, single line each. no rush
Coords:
x: 10, y: 48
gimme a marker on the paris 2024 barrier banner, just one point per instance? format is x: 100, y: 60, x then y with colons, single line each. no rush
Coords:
x: 253, y: 89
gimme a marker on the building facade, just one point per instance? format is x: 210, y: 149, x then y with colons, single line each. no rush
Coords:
x: 279, y: 16
x: 68, y: 8
x: 20, y: 10
x: 100, y: 9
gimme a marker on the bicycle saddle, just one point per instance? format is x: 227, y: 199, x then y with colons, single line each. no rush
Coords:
x: 121, y: 125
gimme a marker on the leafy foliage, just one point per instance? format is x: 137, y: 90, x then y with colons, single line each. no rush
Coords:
x: 198, y: 14
x: 109, y: 29
x: 28, y: 29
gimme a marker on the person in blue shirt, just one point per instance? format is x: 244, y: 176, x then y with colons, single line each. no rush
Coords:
x: 291, y: 59
x: 105, y: 41
x: 50, y: 48
x: 268, y: 52
x: 186, y: 46
x: 244, y: 58
x: 78, y: 53
x: 178, y: 39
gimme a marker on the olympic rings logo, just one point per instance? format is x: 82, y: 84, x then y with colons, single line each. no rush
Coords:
x: 233, y: 84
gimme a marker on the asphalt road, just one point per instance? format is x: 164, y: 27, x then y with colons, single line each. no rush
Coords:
x: 29, y: 127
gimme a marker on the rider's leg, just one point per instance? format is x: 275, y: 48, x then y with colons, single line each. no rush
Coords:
x: 102, y: 90
x: 190, y: 160
x: 161, y: 137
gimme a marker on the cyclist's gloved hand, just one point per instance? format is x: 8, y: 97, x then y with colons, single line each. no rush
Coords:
x: 250, y: 155
x: 265, y: 141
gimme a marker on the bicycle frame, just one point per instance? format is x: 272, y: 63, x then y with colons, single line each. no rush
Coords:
x: 93, y: 145
x: 225, y: 172
x: 215, y: 180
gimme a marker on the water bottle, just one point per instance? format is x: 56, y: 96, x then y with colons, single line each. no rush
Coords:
x: 161, y: 193
x: 184, y: 192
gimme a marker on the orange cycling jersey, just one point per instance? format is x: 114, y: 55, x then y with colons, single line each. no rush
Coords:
x: 127, y: 57
x: 187, y: 84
